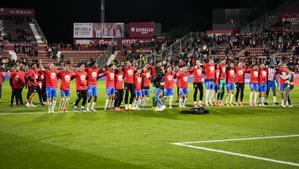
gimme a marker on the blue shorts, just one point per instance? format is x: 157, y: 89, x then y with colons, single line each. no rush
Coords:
x: 216, y: 87
x: 146, y: 92
x: 209, y: 84
x: 65, y: 93
x: 282, y: 86
x: 183, y: 91
x: 263, y: 88
x: 92, y: 91
x: 110, y: 91
x: 138, y: 93
x: 51, y: 93
x: 168, y: 92
x: 271, y: 85
x: 230, y: 86
x: 254, y: 87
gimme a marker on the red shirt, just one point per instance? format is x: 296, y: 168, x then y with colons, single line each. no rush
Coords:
x: 231, y: 75
x: 217, y: 76
x: 153, y: 71
x: 168, y: 81
x: 119, y: 80
x: 32, y: 74
x: 129, y: 74
x: 138, y: 82
x: 183, y: 80
x: 66, y: 78
x: 18, y: 79
x: 110, y: 78
x: 1, y: 78
x: 284, y: 72
x: 92, y: 76
x: 146, y: 75
x: 51, y: 78
x: 240, y: 75
x: 209, y: 71
x: 254, y: 75
x: 263, y: 76
x: 81, y: 82
x: 42, y: 79
x: 222, y: 68
x: 197, y: 74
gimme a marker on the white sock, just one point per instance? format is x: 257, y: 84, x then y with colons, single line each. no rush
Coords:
x: 49, y: 106
x: 255, y: 96
x: 207, y: 96
x: 282, y: 101
x: 185, y: 100
x: 170, y: 100
x: 211, y: 96
x: 53, y: 105
x: 262, y: 100
x: 180, y: 102
x: 61, y: 103
x: 88, y: 106
x: 112, y: 103
x: 93, y: 104
x: 227, y: 98
x: 139, y: 102
x: 146, y: 101
x: 82, y: 107
x: 251, y: 97
x: 231, y: 98
x: 65, y: 104
x: 274, y: 99
x: 106, y: 103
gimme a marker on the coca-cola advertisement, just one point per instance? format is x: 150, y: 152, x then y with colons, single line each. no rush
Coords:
x: 142, y: 30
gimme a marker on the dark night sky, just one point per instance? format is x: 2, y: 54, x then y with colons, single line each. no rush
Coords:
x: 56, y: 17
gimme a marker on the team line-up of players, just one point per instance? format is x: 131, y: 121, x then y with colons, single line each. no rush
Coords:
x: 218, y: 78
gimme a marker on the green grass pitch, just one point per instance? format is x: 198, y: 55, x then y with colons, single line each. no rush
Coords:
x: 142, y: 139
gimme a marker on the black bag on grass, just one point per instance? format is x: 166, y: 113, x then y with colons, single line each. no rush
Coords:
x: 199, y: 110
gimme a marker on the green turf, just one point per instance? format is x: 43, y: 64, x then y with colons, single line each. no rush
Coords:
x: 141, y: 139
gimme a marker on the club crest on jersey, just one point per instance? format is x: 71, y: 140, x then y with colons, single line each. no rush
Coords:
x: 67, y: 78
x: 139, y: 79
x: 198, y: 71
x: 82, y: 77
x: 120, y: 78
x: 94, y: 74
x: 240, y: 72
x: 255, y: 74
x: 264, y: 73
x: 169, y: 77
x: 148, y: 75
x: 53, y: 75
x: 130, y: 72
x: 212, y: 68
x: 232, y: 72
x: 185, y: 78
x: 111, y: 75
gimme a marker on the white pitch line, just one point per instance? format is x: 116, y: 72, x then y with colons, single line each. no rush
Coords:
x: 238, y: 154
x: 241, y: 139
x: 187, y: 144
x: 23, y: 113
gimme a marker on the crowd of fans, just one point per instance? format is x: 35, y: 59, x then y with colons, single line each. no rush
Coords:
x: 28, y: 49
x: 274, y: 46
